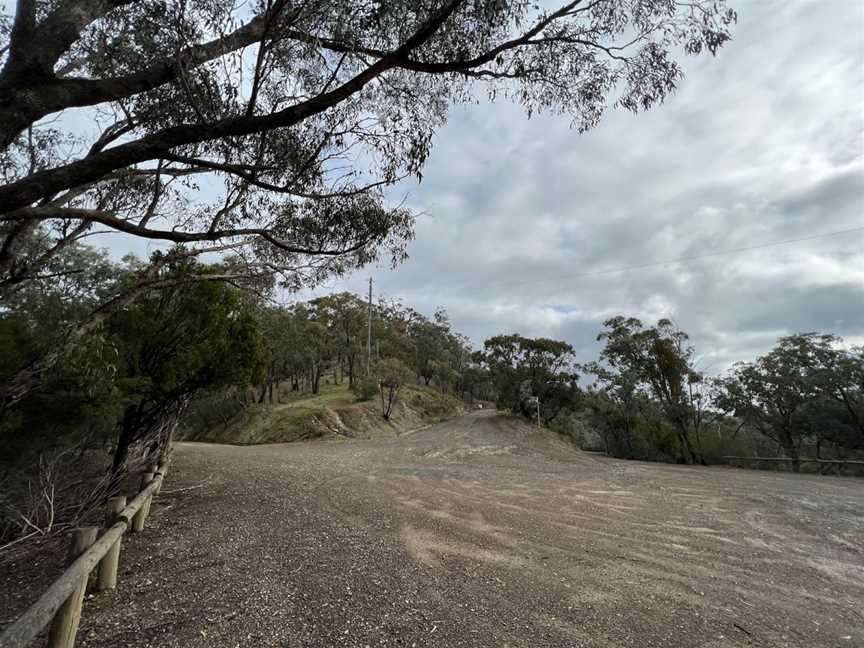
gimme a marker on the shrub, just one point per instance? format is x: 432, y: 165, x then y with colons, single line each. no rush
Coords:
x: 365, y: 389
x: 393, y: 374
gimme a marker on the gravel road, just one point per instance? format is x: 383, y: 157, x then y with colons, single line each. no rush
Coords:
x: 482, y: 531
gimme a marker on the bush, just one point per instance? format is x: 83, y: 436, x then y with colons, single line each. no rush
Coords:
x: 577, y: 427
x: 365, y: 389
x: 212, y: 410
x: 393, y: 374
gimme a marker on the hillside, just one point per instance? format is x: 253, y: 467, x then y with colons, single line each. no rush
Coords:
x: 333, y: 413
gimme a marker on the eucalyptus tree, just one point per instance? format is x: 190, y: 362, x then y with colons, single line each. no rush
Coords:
x: 437, y: 348
x: 272, y: 128
x: 843, y: 381
x: 280, y: 332
x: 536, y: 368
x: 77, y: 400
x: 618, y: 403
x: 345, y: 316
x: 123, y: 382
x: 175, y: 342
x: 391, y: 327
x: 393, y: 375
x: 657, y: 361
x: 805, y: 390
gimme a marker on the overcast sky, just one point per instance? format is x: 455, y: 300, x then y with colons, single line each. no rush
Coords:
x: 526, y: 220
x: 527, y: 225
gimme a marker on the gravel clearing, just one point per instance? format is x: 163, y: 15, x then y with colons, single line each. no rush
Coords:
x: 482, y: 531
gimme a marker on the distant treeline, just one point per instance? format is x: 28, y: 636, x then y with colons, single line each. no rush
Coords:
x: 100, y: 361
x: 647, y: 400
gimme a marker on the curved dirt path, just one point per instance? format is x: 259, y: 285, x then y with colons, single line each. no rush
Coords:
x: 482, y: 531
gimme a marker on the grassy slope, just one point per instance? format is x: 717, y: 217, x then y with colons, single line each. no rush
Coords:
x: 333, y: 413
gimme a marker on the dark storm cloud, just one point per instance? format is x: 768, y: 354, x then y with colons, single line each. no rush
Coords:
x: 526, y: 224
x: 839, y: 197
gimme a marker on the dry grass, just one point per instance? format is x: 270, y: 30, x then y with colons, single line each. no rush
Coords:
x: 332, y: 413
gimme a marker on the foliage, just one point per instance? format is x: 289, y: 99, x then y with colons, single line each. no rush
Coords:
x: 177, y: 341
x: 77, y: 401
x: 653, y: 363
x: 121, y: 376
x: 365, y: 388
x: 329, y: 335
x: 144, y: 362
x: 393, y: 374
x: 804, y: 397
x: 345, y: 318
x: 523, y: 369
x: 805, y: 390
x: 293, y: 115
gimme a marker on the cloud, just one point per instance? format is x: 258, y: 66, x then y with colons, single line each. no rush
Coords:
x: 529, y: 227
x: 528, y: 224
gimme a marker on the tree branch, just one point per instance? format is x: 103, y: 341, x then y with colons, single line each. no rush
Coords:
x: 93, y: 167
x: 115, y: 223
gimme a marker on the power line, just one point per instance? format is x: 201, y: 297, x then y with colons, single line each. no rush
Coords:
x: 697, y: 257
x: 654, y: 264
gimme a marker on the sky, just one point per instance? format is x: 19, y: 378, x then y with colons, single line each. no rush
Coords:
x: 526, y: 224
x: 753, y: 174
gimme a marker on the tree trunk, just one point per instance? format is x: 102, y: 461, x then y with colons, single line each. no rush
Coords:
x: 690, y: 455
x: 391, y: 396
x: 315, y: 377
x: 124, y: 441
x: 166, y: 438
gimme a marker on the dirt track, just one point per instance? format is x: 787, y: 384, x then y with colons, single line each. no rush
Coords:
x: 484, y: 532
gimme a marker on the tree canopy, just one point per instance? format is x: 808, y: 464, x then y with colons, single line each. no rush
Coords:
x: 271, y: 129
x: 526, y: 371
x: 659, y: 361
x: 806, y: 389
x: 121, y: 383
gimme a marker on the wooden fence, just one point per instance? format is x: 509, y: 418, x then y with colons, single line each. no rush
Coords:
x: 60, y: 606
x: 822, y: 463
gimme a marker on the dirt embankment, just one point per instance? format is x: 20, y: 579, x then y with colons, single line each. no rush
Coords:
x: 332, y: 414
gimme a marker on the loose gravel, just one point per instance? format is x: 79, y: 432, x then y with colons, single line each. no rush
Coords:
x: 483, y: 531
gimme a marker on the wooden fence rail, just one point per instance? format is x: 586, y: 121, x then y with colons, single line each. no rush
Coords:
x: 851, y: 462
x: 60, y: 606
x: 825, y: 465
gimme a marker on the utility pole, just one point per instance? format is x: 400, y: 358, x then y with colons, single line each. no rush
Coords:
x: 369, y: 332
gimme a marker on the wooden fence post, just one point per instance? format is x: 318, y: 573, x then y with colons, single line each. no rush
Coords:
x: 153, y: 467
x: 160, y: 469
x: 139, y: 518
x: 64, y: 627
x: 108, y: 564
x: 148, y: 477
